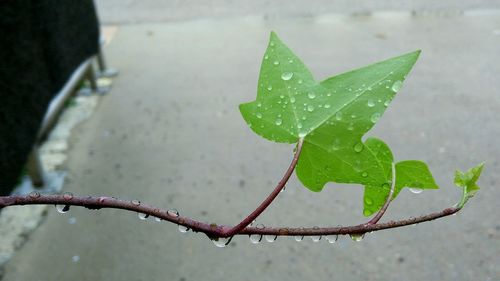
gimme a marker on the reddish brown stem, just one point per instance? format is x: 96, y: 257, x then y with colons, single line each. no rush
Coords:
x: 281, y: 184
x: 211, y: 229
x: 381, y: 212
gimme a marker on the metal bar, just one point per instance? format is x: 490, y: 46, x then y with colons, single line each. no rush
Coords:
x: 35, y: 168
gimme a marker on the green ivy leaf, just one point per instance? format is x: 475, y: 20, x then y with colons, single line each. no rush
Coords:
x: 409, y: 173
x: 331, y: 115
x: 467, y: 181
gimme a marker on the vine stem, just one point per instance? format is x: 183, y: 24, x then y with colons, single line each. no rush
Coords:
x: 270, y: 198
x: 381, y: 212
x: 214, y: 230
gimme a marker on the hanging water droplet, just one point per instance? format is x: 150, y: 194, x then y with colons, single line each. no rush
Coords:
x: 358, y: 147
x: 364, y: 174
x: 173, y: 213
x: 62, y: 208
x: 142, y: 216
x: 327, y: 105
x: 287, y: 76
x: 331, y: 238
x: 357, y: 237
x: 375, y: 116
x: 68, y: 195
x: 135, y: 202
x: 278, y: 121
x: 316, y: 238
x: 416, y: 190
x: 255, y: 238
x: 221, y: 242
x: 183, y: 229
x: 350, y: 127
x: 271, y: 238
x: 397, y: 86
x: 276, y: 62
x: 298, y: 238
x: 157, y: 219
x: 370, y: 103
x: 259, y: 115
x: 34, y: 194
x: 311, y: 95
x: 338, y: 116
x: 310, y: 108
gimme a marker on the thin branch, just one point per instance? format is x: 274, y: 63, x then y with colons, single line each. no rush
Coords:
x: 381, y: 212
x: 210, y: 229
x: 281, y: 184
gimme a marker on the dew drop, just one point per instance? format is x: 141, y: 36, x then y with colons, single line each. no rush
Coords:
x: 364, y: 174
x: 287, y: 76
x: 357, y: 237
x: 327, y: 105
x: 221, y: 242
x: 375, y: 116
x: 370, y: 103
x: 336, y: 144
x: 396, y: 86
x: 299, y: 125
x: 259, y: 115
x: 270, y: 238
x: 259, y: 104
x: 34, y: 194
x: 387, y: 102
x: 68, y: 195
x: 338, y: 116
x: 416, y: 190
x: 331, y: 238
x: 316, y: 238
x: 368, y: 201
x: 142, y: 216
x: 173, y: 213
x: 310, y: 108
x: 135, y: 202
x: 350, y: 127
x: 278, y: 121
x: 367, y: 212
x: 62, y: 209
x: 183, y: 229
x: 276, y: 62
x: 266, y: 57
x: 300, y: 81
x: 269, y: 87
x: 358, y: 147
x: 298, y: 238
x: 292, y: 99
x: 157, y: 219
x: 311, y: 95
x: 255, y: 238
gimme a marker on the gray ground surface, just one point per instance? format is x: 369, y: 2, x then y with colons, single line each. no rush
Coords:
x: 170, y: 134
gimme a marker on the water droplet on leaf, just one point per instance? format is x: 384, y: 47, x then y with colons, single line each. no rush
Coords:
x: 276, y: 62
x: 310, y: 108
x: 311, y: 95
x: 278, y: 121
x: 358, y: 147
x: 370, y: 103
x: 287, y: 76
x: 396, y: 86
x: 375, y: 116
